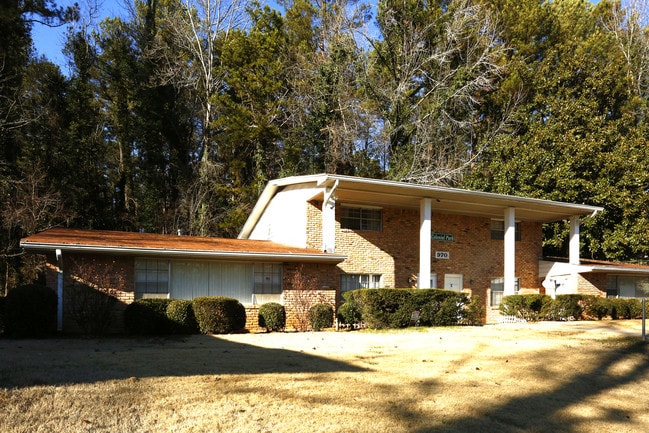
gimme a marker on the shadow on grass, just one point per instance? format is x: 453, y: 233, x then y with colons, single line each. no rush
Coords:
x: 542, y: 411
x: 25, y: 363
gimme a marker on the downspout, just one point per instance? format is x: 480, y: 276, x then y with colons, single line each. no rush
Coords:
x: 59, y: 290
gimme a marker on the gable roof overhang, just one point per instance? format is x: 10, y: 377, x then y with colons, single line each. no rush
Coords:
x: 385, y: 193
x: 150, y: 244
x: 560, y: 266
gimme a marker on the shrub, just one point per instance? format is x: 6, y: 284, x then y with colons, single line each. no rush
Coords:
x: 321, y: 316
x: 148, y: 317
x: 386, y: 308
x: 3, y: 304
x: 349, y: 313
x: 596, y: 306
x: 624, y: 308
x: 219, y: 315
x: 444, y: 309
x: 272, y: 316
x: 528, y: 307
x: 180, y: 313
x: 30, y: 311
x: 473, y: 312
x: 564, y: 307
x: 91, y: 309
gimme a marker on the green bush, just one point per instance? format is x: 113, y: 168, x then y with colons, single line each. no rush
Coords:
x: 90, y: 308
x: 473, y: 312
x: 386, y: 308
x: 272, y: 316
x: 321, y: 316
x: 564, y: 307
x: 597, y: 307
x: 624, y: 308
x: 528, y: 307
x: 30, y: 311
x: 393, y: 308
x: 181, y: 313
x: 148, y: 317
x: 219, y: 315
x: 444, y: 307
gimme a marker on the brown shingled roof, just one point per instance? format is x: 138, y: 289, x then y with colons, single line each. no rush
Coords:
x: 143, y: 243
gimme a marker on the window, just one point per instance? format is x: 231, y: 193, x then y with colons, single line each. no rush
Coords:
x: 151, y: 276
x: 498, y: 288
x: 498, y: 230
x: 359, y: 281
x: 624, y: 286
x: 268, y: 278
x: 355, y: 218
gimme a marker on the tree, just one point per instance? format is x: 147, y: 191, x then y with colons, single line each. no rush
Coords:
x: 433, y: 68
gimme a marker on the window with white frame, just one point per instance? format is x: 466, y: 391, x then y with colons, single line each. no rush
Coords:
x: 151, y: 277
x: 498, y: 289
x: 498, y: 230
x: 268, y: 278
x: 359, y: 281
x: 360, y: 218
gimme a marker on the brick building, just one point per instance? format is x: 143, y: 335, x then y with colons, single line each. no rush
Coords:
x: 337, y: 233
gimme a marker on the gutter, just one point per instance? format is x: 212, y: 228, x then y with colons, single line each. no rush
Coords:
x: 233, y: 255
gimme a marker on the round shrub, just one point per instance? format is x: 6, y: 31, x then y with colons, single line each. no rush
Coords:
x: 30, y: 311
x: 272, y: 316
x: 349, y: 313
x: 219, y: 315
x: 321, y: 316
x: 148, y: 317
x: 181, y: 313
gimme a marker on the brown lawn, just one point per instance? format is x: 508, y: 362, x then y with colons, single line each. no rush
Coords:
x: 545, y: 377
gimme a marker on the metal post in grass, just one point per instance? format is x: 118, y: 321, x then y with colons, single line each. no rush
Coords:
x: 644, y: 318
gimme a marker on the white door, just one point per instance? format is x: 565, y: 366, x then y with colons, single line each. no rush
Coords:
x: 453, y: 282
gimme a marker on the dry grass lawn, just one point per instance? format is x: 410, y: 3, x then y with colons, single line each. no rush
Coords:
x: 547, y: 377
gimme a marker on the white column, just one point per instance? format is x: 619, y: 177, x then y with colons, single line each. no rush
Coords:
x: 59, y: 290
x: 425, y: 215
x: 574, y: 241
x: 510, y: 252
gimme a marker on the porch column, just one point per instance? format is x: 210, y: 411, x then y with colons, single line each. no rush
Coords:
x: 329, y: 220
x: 510, y: 252
x: 59, y: 290
x: 425, y: 214
x: 574, y: 241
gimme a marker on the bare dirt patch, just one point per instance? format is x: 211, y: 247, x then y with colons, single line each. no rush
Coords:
x: 545, y: 377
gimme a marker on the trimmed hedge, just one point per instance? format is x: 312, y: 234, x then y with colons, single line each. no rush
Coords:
x: 181, y: 313
x: 321, y: 316
x: 570, y: 307
x: 393, y: 308
x: 219, y: 314
x: 30, y: 311
x: 148, y: 317
x: 272, y: 316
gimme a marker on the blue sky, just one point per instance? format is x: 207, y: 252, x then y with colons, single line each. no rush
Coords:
x: 49, y: 41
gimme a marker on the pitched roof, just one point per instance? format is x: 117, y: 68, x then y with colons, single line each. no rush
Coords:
x: 364, y: 191
x: 114, y: 242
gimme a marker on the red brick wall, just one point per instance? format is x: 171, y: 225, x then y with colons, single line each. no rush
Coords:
x: 394, y: 251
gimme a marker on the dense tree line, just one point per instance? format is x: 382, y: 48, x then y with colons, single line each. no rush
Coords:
x: 175, y: 114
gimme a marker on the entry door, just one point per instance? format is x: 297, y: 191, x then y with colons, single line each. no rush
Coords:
x: 453, y: 282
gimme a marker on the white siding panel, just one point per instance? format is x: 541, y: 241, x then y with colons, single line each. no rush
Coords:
x: 284, y: 220
x: 189, y: 279
x: 193, y: 278
x: 234, y: 280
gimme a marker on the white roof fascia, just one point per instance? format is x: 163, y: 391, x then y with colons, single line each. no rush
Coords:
x: 222, y: 255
